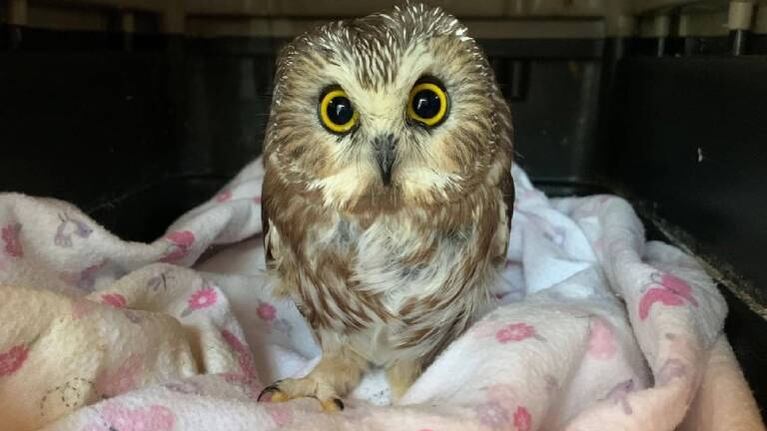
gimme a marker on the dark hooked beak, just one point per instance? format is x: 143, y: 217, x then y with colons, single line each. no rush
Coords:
x: 385, y: 148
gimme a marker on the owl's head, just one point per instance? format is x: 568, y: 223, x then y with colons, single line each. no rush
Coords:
x: 389, y: 110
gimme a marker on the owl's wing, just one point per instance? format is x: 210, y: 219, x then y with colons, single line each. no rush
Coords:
x: 265, y: 228
x: 507, y: 188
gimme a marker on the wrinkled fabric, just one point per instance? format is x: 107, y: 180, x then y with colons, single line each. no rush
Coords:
x: 595, y: 329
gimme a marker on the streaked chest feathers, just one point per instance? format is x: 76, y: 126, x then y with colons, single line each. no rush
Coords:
x: 401, y: 286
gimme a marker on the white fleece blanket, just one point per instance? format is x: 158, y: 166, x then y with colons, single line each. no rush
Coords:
x: 597, y: 329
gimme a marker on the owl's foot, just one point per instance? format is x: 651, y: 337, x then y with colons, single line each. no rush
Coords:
x: 401, y: 376
x: 335, y: 375
x: 290, y: 389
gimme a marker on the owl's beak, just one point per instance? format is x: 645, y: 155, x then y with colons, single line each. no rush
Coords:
x: 385, y: 148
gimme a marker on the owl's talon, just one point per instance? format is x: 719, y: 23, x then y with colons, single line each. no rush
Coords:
x: 276, y: 395
x: 333, y: 405
x: 286, y: 390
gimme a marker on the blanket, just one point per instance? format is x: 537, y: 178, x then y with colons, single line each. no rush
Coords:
x: 594, y: 329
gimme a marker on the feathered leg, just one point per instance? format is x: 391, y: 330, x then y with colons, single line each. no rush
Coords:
x: 401, y: 376
x: 337, y: 373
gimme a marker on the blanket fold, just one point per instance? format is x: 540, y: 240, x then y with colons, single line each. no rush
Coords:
x: 595, y: 329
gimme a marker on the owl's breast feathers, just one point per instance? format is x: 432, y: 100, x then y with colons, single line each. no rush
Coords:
x: 423, y: 272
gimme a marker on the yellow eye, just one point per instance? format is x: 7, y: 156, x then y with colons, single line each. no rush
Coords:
x: 428, y: 104
x: 336, y: 111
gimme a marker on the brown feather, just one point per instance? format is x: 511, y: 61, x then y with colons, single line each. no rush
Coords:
x: 391, y: 271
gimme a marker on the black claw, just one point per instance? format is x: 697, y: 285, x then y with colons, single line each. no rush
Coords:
x: 338, y: 403
x: 271, y: 388
x: 264, y: 392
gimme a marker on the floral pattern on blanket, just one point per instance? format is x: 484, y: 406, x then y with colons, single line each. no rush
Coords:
x: 152, y: 344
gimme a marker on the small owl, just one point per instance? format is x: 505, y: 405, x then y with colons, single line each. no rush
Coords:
x: 387, y: 198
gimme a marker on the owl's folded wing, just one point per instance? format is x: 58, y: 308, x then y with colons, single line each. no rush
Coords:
x: 265, y: 229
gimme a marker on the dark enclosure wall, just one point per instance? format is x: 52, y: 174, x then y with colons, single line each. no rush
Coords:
x: 105, y: 126
x: 688, y: 144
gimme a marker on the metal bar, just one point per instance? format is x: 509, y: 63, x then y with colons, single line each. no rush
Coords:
x: 739, y: 22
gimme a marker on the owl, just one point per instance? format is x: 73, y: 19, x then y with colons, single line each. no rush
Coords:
x: 387, y: 197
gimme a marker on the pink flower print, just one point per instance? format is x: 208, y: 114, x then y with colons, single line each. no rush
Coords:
x: 13, y: 359
x: 234, y: 343
x: 114, y: 299
x: 244, y: 355
x: 121, y: 380
x: 266, y: 311
x: 224, y: 196
x: 68, y: 229
x: 11, y: 237
x: 522, y: 419
x: 152, y: 418
x: 180, y: 242
x: 672, y: 293
x: 654, y: 295
x: 516, y: 332
x: 202, y: 298
x: 601, y: 340
x: 487, y: 327
x: 246, y: 377
x: 676, y: 285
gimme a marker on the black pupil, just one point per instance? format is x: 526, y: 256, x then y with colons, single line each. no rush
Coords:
x: 426, y: 104
x: 340, y: 110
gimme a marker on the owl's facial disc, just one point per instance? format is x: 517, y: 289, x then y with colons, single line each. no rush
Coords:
x: 385, y: 150
x: 387, y: 111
